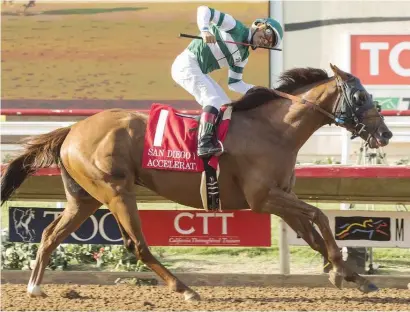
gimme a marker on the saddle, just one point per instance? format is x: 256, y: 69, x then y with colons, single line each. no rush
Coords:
x: 171, y: 143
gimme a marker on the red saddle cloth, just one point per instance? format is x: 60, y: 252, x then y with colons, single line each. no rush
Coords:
x: 171, y: 140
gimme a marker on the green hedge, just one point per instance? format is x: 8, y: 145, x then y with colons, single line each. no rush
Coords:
x: 21, y: 256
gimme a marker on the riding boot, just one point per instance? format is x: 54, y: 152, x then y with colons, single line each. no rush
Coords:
x: 206, y: 133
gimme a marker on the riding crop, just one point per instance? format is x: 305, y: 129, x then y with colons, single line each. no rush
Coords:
x: 241, y: 43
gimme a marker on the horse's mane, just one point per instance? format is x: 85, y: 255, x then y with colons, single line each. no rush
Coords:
x: 290, y: 80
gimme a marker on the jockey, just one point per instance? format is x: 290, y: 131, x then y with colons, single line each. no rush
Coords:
x: 191, y: 68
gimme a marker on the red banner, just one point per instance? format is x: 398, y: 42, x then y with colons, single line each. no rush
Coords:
x: 200, y: 228
x: 169, y: 144
x: 381, y: 59
x: 171, y: 141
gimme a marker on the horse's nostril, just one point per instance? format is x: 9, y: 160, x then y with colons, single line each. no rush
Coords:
x: 387, y: 135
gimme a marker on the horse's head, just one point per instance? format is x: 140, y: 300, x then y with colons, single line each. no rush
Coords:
x: 356, y: 111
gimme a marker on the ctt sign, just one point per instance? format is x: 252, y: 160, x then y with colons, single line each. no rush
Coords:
x: 160, y: 227
x: 381, y: 59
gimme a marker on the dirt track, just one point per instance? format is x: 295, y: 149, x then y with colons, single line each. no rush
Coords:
x: 159, y: 298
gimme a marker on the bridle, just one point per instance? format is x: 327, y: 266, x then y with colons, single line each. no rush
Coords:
x: 348, y: 111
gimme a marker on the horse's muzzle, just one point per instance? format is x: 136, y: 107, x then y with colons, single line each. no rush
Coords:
x: 380, y: 139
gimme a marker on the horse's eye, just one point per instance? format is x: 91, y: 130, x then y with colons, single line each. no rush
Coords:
x: 378, y: 106
x: 359, y: 98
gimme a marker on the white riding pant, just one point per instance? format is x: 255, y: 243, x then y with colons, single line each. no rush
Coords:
x: 187, y: 73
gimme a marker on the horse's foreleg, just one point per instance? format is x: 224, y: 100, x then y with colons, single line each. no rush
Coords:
x: 305, y: 229
x: 72, y: 217
x: 289, y: 207
x: 124, y: 208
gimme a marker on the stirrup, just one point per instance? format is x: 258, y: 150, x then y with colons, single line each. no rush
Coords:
x: 214, y: 154
x: 222, y: 149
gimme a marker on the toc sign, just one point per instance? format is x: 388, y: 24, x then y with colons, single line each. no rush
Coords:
x: 381, y: 59
x: 160, y: 227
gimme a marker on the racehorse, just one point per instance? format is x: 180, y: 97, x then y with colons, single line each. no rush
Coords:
x: 30, y: 4
x: 100, y: 159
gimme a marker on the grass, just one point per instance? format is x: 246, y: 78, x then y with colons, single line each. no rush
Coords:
x: 117, y: 55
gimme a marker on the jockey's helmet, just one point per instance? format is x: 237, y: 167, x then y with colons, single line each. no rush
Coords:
x: 269, y: 24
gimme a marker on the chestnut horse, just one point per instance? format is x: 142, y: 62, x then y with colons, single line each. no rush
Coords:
x: 100, y: 159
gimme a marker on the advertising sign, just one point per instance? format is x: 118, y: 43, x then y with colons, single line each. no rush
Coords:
x: 160, y: 227
x: 365, y: 228
x: 381, y: 59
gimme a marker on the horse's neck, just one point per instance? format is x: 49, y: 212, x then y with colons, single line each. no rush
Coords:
x: 299, y: 121
x: 308, y: 120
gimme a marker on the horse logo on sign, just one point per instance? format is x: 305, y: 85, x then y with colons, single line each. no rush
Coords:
x: 22, y: 220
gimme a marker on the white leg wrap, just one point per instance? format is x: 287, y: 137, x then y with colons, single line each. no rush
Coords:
x: 34, y: 290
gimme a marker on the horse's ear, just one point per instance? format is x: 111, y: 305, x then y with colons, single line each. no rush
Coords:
x: 338, y: 72
x: 334, y: 69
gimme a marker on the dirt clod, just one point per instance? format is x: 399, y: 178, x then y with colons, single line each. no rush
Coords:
x: 70, y: 294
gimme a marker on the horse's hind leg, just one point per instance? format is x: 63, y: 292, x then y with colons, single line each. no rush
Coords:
x: 124, y: 208
x: 305, y: 229
x: 79, y: 207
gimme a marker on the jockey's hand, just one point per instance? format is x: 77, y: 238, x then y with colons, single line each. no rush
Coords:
x: 208, y: 37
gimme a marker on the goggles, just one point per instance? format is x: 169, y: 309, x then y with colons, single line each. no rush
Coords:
x: 269, y: 35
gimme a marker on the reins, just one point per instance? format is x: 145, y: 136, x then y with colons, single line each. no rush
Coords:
x: 304, y: 101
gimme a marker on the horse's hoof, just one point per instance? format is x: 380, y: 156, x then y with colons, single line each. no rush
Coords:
x: 336, y: 279
x: 42, y: 295
x: 35, y: 291
x: 191, y: 295
x: 368, y: 287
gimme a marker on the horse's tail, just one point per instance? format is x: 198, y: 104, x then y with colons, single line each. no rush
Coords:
x: 40, y: 151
